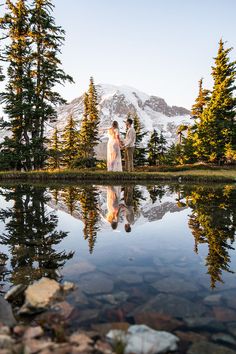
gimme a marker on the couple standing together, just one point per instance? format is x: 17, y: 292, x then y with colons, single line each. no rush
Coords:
x: 115, y: 144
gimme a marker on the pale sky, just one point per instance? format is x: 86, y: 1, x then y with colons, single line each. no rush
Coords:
x: 161, y: 47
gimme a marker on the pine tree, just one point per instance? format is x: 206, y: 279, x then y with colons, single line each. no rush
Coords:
x: 162, y: 145
x: 17, y: 52
x: 54, y: 152
x: 70, y: 143
x: 140, y: 151
x: 153, y: 148
x: 156, y: 148
x: 32, y: 48
x: 217, y: 127
x: 190, y: 142
x: 84, y: 133
x: 89, y: 135
x: 201, y: 101
x: 47, y: 39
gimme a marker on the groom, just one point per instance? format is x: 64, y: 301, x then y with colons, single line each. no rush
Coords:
x: 129, y: 144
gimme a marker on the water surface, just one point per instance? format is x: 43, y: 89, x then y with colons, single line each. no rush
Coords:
x: 158, y: 254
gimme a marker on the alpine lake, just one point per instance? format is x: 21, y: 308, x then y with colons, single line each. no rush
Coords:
x: 158, y: 254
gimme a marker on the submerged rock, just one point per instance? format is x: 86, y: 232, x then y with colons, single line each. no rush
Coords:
x: 205, y: 347
x: 141, y: 339
x: 6, y: 315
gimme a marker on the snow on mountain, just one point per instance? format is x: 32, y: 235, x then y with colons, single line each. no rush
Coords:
x: 115, y: 102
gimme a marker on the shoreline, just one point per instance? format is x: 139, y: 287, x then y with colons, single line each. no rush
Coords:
x: 192, y: 175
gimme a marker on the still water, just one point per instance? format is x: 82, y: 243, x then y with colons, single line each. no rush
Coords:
x: 158, y: 254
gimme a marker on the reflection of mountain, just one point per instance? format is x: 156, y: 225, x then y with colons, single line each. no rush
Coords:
x: 147, y: 211
x: 156, y: 212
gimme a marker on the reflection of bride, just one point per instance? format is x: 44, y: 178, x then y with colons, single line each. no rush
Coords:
x: 113, y: 205
x: 113, y: 149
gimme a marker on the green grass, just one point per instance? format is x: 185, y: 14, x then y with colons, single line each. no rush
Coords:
x: 181, y: 173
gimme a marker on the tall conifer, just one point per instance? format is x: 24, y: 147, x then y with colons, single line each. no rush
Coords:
x: 16, y: 27
x: 140, y: 150
x: 70, y: 142
x: 217, y: 128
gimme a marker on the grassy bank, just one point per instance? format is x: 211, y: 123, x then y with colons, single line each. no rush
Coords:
x: 193, y: 174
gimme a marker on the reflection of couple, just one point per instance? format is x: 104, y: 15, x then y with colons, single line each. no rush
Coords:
x: 114, y: 206
x: 115, y: 144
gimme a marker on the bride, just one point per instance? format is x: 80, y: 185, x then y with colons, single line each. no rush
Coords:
x: 113, y: 148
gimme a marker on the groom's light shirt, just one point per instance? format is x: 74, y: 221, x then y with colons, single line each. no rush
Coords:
x: 130, y: 138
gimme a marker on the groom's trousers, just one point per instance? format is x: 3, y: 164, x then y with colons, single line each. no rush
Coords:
x: 129, y: 161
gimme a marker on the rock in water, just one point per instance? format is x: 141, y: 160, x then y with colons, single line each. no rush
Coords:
x: 6, y: 316
x: 141, y: 339
x: 41, y: 295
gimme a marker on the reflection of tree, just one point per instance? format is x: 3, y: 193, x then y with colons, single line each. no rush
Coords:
x: 156, y: 191
x: 70, y: 196
x: 30, y: 235
x: 137, y: 199
x: 88, y: 198
x: 213, y: 221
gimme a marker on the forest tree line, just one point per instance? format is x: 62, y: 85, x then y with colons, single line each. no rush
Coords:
x: 30, y: 46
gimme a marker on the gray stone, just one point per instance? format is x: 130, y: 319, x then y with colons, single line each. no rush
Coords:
x: 140, y: 339
x: 6, y: 315
x: 205, y: 347
x: 130, y: 278
x: 96, y: 283
x: 224, y: 337
x: 14, y: 292
x: 114, y: 299
x: 213, y: 299
x: 232, y: 328
x: 6, y: 342
x: 82, y: 267
x: 172, y: 305
x: 205, y: 322
x: 175, y: 285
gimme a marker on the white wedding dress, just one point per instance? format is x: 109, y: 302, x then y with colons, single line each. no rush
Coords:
x: 113, y: 151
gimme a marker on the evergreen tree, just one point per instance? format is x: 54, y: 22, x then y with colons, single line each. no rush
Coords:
x: 89, y: 135
x: 15, y: 25
x: 189, y: 144
x: 70, y: 142
x: 174, y: 154
x: 200, y: 102
x: 47, y: 39
x: 54, y: 152
x: 84, y: 133
x: 217, y: 127
x: 162, y: 145
x: 32, y: 48
x: 156, y: 148
x: 140, y: 151
x: 153, y: 148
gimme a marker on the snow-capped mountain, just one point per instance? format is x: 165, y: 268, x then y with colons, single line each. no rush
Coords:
x: 115, y: 102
